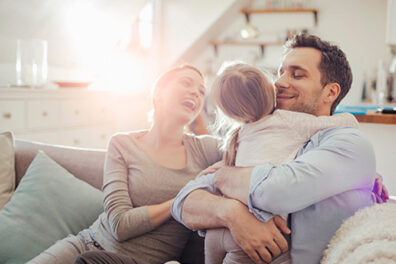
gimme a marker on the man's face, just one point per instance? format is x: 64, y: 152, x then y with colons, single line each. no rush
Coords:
x: 298, y: 82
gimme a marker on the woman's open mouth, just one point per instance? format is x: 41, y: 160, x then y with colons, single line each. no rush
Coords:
x: 189, y: 104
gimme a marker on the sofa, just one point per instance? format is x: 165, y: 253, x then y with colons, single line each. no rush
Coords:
x: 367, y: 237
x: 85, y: 165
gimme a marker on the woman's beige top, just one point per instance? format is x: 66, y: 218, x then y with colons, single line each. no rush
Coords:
x: 132, y: 180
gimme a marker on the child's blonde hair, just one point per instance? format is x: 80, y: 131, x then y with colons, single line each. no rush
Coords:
x: 245, y: 94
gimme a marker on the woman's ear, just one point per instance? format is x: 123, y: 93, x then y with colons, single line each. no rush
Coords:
x: 331, y: 92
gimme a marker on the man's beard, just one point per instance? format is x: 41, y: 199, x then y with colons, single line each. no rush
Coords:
x: 307, y: 106
x: 304, y: 108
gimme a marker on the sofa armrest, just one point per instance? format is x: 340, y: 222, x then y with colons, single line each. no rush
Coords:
x: 392, y: 199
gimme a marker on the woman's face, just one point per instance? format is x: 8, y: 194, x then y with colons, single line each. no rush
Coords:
x: 182, y: 97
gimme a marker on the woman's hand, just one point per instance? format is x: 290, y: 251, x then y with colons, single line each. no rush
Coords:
x: 211, y: 169
x: 160, y: 213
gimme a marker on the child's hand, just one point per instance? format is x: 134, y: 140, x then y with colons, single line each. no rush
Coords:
x: 211, y: 169
x: 379, y: 190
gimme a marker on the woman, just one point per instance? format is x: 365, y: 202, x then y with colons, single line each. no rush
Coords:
x: 143, y: 172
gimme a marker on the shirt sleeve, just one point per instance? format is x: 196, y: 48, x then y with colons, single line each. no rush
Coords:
x: 204, y: 182
x: 125, y: 220
x: 333, y: 161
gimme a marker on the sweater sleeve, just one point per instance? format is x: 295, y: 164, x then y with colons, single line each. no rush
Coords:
x: 211, y: 149
x: 307, y: 125
x: 124, y: 220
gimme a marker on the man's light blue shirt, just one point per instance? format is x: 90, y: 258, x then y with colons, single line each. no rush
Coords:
x: 330, y: 179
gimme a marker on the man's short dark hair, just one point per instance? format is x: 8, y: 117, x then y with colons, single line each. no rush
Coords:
x: 334, y: 66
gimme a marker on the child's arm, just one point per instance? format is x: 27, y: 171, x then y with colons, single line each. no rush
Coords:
x: 307, y: 125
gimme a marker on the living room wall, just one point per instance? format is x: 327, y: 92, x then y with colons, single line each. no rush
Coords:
x: 358, y: 26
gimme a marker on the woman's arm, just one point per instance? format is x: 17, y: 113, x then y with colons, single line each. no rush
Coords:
x: 160, y: 213
x: 125, y: 220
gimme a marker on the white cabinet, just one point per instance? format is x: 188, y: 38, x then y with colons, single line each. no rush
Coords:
x: 81, y: 118
x: 75, y: 112
x: 12, y: 114
x: 42, y: 114
x: 391, y: 23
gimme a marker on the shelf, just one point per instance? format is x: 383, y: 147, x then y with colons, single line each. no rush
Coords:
x: 262, y: 45
x: 284, y: 10
x: 377, y: 118
x: 246, y: 43
x: 314, y: 11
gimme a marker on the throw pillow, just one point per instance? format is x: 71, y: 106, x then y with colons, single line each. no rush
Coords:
x: 7, y: 168
x: 48, y: 204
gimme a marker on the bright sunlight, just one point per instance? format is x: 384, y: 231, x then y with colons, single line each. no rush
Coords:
x: 102, y: 41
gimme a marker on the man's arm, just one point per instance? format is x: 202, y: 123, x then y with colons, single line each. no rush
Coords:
x: 196, y: 213
x: 334, y: 161
x: 197, y: 208
x: 192, y: 216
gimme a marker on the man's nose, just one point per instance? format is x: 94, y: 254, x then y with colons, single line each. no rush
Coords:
x: 281, y: 82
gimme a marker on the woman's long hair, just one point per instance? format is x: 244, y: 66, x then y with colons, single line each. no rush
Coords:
x: 244, y: 94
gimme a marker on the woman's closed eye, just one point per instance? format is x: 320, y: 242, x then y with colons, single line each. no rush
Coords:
x: 186, y: 82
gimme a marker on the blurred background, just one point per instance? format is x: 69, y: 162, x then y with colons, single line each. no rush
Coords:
x: 75, y: 72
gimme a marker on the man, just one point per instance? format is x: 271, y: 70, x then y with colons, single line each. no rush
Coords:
x: 331, y: 177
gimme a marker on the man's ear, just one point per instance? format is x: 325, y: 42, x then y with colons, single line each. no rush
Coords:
x: 331, y: 92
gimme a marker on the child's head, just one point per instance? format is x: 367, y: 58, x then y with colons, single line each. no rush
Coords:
x: 244, y: 93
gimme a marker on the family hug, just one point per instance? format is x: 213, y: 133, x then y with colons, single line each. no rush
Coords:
x: 274, y: 189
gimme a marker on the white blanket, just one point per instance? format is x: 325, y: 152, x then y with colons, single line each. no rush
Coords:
x: 369, y: 236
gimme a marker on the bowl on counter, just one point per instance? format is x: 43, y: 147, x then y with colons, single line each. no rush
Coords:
x: 70, y: 84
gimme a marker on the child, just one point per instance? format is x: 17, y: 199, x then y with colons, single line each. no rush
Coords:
x: 263, y: 134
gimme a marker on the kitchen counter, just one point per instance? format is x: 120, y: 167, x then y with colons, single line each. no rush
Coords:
x: 367, y: 113
x: 377, y: 118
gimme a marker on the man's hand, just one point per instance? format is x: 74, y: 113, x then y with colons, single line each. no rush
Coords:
x: 234, y: 182
x: 379, y: 190
x: 260, y: 241
x: 211, y: 169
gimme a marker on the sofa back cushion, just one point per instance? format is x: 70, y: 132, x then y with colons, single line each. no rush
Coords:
x: 48, y: 204
x: 85, y: 164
